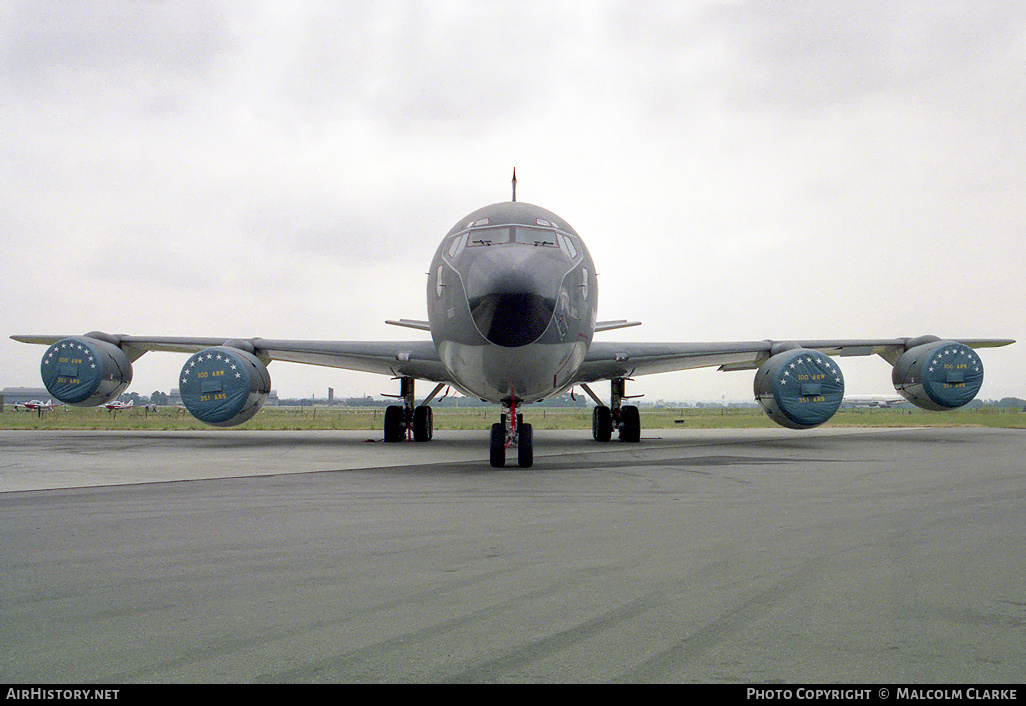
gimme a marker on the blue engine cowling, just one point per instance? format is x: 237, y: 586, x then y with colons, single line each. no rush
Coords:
x: 85, y: 371
x: 799, y: 388
x: 224, y: 386
x: 939, y: 375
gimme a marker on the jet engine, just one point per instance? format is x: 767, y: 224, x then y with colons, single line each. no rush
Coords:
x: 85, y: 371
x: 938, y: 375
x: 224, y: 386
x: 799, y: 388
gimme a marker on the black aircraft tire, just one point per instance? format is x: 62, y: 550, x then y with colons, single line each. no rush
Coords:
x: 525, y: 446
x: 498, y: 448
x: 423, y: 424
x: 395, y: 423
x: 601, y: 424
x: 631, y: 429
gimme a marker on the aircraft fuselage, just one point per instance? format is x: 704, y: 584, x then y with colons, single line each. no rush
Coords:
x: 512, y: 300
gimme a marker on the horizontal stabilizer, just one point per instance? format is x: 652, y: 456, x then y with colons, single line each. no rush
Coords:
x: 411, y: 323
x: 610, y: 325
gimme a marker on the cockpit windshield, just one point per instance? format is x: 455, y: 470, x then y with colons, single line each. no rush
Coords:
x: 516, y: 235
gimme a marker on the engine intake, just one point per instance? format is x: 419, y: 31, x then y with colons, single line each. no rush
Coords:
x: 85, y: 372
x: 938, y: 376
x: 799, y: 388
x: 224, y: 386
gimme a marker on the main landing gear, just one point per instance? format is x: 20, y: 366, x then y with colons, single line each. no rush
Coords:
x: 624, y: 418
x: 512, y: 432
x: 407, y: 419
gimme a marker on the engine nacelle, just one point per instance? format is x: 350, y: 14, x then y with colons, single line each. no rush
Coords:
x: 85, y: 372
x: 799, y: 388
x: 224, y: 386
x: 939, y: 375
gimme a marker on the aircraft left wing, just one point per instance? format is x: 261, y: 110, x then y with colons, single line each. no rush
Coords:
x: 606, y: 360
x: 418, y: 359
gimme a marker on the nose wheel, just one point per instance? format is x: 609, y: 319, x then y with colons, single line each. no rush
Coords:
x: 511, y: 433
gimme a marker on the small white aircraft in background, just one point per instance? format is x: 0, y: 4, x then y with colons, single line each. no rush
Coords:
x: 873, y: 401
x: 38, y: 406
x: 115, y: 406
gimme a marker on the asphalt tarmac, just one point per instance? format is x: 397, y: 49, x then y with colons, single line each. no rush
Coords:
x: 757, y: 556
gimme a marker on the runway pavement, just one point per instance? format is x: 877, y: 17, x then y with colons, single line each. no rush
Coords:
x: 751, y: 556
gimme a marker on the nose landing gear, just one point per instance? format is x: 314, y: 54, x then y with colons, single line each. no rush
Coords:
x: 510, y: 432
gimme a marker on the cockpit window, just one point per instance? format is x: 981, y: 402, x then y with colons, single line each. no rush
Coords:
x: 567, y: 245
x: 488, y: 236
x: 537, y: 237
x: 456, y: 246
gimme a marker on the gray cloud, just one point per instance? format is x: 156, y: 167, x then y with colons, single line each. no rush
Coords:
x: 807, y: 56
x: 160, y: 38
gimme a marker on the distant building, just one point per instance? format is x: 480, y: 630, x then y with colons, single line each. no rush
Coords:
x: 18, y: 395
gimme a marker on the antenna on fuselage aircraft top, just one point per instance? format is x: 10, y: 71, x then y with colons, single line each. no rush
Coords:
x: 514, y: 183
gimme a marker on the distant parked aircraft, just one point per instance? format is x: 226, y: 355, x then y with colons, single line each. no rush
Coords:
x: 115, y: 406
x: 37, y: 405
x: 873, y: 401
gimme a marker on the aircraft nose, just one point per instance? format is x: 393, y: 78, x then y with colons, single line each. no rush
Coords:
x: 511, y: 302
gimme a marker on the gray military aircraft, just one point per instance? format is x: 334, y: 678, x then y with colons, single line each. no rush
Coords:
x: 512, y: 303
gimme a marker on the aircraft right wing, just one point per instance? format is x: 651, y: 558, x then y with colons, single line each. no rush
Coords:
x: 606, y: 360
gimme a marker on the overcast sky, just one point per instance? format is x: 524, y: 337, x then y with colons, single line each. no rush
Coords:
x: 738, y: 170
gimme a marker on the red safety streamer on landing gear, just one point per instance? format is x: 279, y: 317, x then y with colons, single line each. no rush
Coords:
x: 512, y: 417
